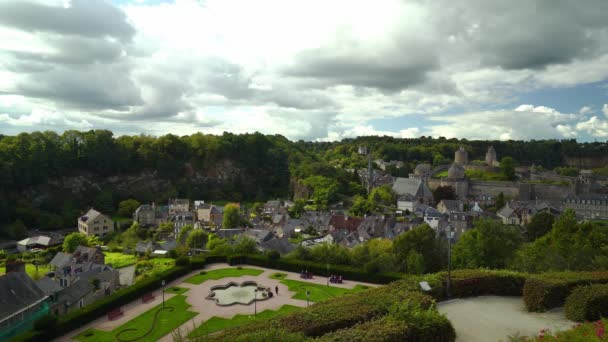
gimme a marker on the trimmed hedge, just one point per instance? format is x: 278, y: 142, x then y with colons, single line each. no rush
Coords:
x: 550, y: 290
x: 587, y: 303
x: 469, y: 283
x: 293, y: 265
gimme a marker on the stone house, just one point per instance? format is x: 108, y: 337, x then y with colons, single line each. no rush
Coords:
x: 181, y: 219
x: 145, y: 215
x: 432, y: 217
x: 415, y: 188
x: 178, y: 205
x: 589, y: 206
x: 95, y: 223
x: 210, y: 215
x: 449, y: 206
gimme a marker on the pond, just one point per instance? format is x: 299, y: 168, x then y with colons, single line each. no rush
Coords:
x: 244, y: 293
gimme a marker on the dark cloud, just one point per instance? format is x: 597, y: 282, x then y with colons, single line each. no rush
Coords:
x: 522, y: 34
x: 98, y: 86
x: 390, y: 70
x: 88, y: 18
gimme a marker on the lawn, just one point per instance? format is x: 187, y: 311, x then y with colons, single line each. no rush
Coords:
x: 119, y: 260
x: 441, y: 174
x: 218, y: 323
x: 121, y: 219
x: 278, y: 275
x: 30, y: 269
x: 177, y: 290
x: 222, y: 273
x: 318, y: 292
x: 165, y: 323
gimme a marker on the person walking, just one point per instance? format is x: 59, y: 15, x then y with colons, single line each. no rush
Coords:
x: 276, y: 289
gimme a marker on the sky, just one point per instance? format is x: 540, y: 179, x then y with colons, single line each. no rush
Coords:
x: 313, y: 70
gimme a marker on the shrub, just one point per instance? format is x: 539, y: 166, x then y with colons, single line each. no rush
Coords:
x: 468, y: 283
x: 182, y: 261
x: 273, y: 255
x: 550, y: 290
x: 587, y: 303
x: 46, y: 324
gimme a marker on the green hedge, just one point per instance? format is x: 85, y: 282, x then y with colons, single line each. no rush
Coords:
x: 587, y: 303
x: 469, y: 283
x: 293, y: 265
x: 550, y: 290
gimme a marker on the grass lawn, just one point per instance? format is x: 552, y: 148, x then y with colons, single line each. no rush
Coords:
x: 119, y: 260
x: 30, y: 269
x: 218, y: 323
x: 441, y: 174
x: 166, y: 322
x: 162, y: 264
x: 222, y: 273
x: 176, y: 290
x: 278, y: 275
x: 318, y: 292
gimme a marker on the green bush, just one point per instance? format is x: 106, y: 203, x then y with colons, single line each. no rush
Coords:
x: 587, y: 303
x: 46, y: 324
x: 550, y: 290
x: 182, y: 261
x: 469, y: 283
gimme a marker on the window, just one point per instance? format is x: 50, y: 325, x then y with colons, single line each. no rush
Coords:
x: 105, y: 227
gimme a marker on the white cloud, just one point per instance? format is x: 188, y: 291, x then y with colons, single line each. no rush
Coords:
x: 605, y: 109
x: 585, y: 110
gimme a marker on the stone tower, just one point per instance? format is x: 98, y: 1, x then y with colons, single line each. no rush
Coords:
x: 491, y: 157
x: 461, y: 156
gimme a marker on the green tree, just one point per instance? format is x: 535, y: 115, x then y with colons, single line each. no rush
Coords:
x: 183, y: 234
x: 415, y: 262
x: 489, y: 244
x: 245, y: 246
x: 126, y: 208
x: 360, y: 207
x: 540, y: 225
x: 500, y: 201
x: 444, y: 192
x: 17, y: 230
x: 73, y: 240
x: 325, y: 190
x: 297, y: 209
x: 232, y: 216
x: 197, y: 239
x: 420, y: 239
x: 507, y: 168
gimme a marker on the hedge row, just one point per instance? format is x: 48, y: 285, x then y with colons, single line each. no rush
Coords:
x: 294, y: 265
x: 436, y: 328
x: 469, y: 283
x: 587, y: 303
x: 550, y: 290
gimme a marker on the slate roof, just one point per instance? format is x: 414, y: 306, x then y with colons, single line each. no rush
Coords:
x: 86, y: 253
x: 453, y: 205
x: 61, y: 260
x: 413, y: 186
x: 344, y: 222
x: 259, y: 235
x: 17, y: 291
x: 169, y: 245
x: 432, y: 212
x: 228, y: 233
x: 291, y: 225
x: 75, y: 292
x: 505, y: 211
x: 143, y: 246
x: 92, y: 214
x: 317, y: 219
x: 48, y: 285
x: 280, y: 245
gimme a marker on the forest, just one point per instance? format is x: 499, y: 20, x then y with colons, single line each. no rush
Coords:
x: 247, y: 167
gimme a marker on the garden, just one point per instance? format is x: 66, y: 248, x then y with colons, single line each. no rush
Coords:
x: 222, y: 273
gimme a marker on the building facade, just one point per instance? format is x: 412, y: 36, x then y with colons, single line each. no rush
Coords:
x: 95, y: 223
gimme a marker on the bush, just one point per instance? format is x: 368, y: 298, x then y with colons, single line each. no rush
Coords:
x: 587, y: 303
x: 182, y: 261
x: 469, y: 283
x: 550, y: 290
x: 46, y: 324
x: 273, y: 255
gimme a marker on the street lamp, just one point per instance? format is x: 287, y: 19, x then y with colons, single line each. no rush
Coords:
x: 450, y: 236
x: 255, y: 302
x: 163, y: 284
x: 307, y: 297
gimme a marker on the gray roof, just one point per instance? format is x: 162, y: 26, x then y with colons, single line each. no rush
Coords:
x: 505, y: 211
x: 48, y: 285
x: 432, y: 212
x: 92, y: 214
x: 17, y: 291
x: 36, y: 240
x: 61, y: 259
x: 412, y: 186
x: 145, y: 246
x: 258, y: 235
x: 453, y: 205
x: 75, y: 292
x: 280, y: 245
x: 228, y: 233
x: 169, y: 245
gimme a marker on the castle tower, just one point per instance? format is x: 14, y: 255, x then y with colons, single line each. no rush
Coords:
x: 461, y: 156
x: 491, y: 156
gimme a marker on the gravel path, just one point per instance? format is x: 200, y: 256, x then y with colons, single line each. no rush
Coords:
x: 493, y: 318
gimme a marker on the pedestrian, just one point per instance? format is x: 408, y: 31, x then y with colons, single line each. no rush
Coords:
x: 276, y: 289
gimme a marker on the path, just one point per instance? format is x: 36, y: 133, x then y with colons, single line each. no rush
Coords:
x: 493, y: 318
x: 206, y: 308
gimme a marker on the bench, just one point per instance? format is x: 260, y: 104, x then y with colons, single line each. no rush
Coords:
x: 114, y: 314
x: 147, y: 297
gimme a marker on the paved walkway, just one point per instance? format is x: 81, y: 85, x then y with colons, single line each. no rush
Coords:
x: 493, y: 318
x: 207, y: 308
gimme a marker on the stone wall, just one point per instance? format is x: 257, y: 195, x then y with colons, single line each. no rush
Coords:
x: 550, y: 192
x: 509, y: 189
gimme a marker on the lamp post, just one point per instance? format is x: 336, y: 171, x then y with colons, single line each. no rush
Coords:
x: 255, y: 302
x: 450, y: 236
x: 163, y: 284
x: 327, y: 266
x: 307, y: 297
